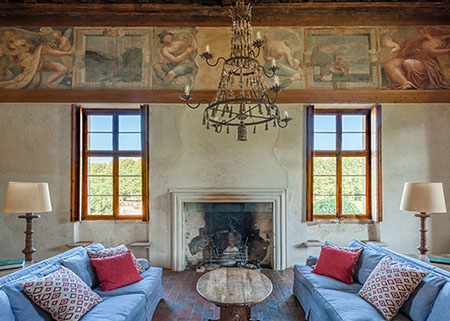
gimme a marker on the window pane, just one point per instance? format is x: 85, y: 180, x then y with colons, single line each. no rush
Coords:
x: 100, y: 185
x: 323, y: 205
x: 353, y: 166
x: 353, y: 123
x: 324, y: 141
x: 354, y: 185
x: 100, y: 166
x: 129, y: 123
x: 324, y: 166
x: 130, y: 205
x: 130, y: 166
x: 324, y: 185
x: 130, y: 185
x: 98, y: 141
x: 354, y: 205
x: 100, y: 205
x: 324, y: 123
x: 129, y: 141
x: 100, y: 123
x: 353, y: 141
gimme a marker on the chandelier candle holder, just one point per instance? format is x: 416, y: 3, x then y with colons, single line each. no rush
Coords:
x: 242, y: 98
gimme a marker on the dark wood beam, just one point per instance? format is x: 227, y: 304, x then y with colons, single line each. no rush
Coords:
x: 281, y: 14
x: 173, y: 96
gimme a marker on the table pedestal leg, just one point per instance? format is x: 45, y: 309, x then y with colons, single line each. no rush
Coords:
x: 234, y: 313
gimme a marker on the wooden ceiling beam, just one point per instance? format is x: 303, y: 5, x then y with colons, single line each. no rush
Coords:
x: 173, y: 96
x: 287, y: 14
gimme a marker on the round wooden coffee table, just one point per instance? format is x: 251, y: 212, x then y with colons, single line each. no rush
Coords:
x: 235, y: 291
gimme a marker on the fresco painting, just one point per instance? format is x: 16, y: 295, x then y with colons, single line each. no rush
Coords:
x: 36, y: 57
x: 284, y: 47
x: 416, y: 58
x: 341, y: 58
x: 112, y: 57
x: 173, y: 61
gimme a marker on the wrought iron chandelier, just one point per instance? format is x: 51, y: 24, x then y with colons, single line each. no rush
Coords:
x: 242, y: 98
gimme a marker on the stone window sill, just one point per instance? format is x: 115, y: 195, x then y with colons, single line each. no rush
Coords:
x: 341, y: 221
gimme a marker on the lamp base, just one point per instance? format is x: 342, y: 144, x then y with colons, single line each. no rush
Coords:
x: 423, y: 249
x: 29, y: 249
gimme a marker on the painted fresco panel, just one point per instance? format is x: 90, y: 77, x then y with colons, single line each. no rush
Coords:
x: 112, y: 58
x: 341, y: 58
x: 173, y: 61
x: 36, y: 57
x: 415, y: 58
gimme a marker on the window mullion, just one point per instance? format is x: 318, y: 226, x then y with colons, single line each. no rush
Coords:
x: 116, y: 166
x: 338, y: 165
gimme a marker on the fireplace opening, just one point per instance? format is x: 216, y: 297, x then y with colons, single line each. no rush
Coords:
x: 229, y: 234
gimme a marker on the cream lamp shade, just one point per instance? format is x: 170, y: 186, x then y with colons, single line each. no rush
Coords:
x: 27, y: 198
x: 423, y: 197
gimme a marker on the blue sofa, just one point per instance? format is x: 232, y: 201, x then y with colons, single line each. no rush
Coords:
x: 326, y: 299
x: 134, y: 302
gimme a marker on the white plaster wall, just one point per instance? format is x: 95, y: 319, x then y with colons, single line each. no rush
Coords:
x: 35, y: 146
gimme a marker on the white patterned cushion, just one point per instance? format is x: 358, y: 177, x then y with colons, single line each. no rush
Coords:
x: 63, y: 294
x: 113, y: 251
x: 389, y: 286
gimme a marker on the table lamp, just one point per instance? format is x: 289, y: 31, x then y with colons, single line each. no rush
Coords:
x: 28, y: 198
x: 424, y: 198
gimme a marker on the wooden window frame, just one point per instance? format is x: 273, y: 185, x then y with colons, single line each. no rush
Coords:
x: 80, y: 155
x: 373, y: 137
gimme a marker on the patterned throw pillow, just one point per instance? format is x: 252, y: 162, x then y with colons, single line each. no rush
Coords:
x: 389, y: 286
x: 351, y: 249
x: 62, y: 294
x: 112, y: 251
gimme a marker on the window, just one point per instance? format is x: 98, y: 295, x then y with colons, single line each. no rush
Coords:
x: 112, y: 165
x: 340, y: 164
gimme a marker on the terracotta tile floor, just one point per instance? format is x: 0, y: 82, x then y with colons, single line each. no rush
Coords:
x: 182, y: 303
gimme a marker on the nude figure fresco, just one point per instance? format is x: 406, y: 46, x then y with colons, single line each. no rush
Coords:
x: 421, y: 61
x: 36, y: 57
x: 341, y: 58
x: 112, y: 58
x: 173, y: 59
x: 283, y: 47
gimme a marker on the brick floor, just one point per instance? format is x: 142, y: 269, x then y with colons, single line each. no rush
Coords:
x: 182, y: 302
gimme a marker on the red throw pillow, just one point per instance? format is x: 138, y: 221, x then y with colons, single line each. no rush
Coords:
x: 336, y: 263
x: 116, y: 271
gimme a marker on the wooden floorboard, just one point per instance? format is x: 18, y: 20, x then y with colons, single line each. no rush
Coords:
x: 182, y: 303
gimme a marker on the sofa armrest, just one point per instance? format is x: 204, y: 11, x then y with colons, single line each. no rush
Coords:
x: 5, y: 308
x: 144, y: 262
x: 311, y: 260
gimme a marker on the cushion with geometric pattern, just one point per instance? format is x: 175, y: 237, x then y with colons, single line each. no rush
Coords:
x: 389, y: 286
x: 113, y: 251
x: 63, y: 294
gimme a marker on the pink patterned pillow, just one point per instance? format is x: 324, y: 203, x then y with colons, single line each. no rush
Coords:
x: 63, y: 294
x: 113, y: 251
x: 389, y: 286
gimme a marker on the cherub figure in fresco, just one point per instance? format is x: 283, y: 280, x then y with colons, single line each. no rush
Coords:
x: 336, y: 68
x: 288, y: 64
x: 23, y: 55
x: 415, y: 64
x: 179, y: 56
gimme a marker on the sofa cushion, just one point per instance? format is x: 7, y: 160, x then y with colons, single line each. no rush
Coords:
x: 22, y: 306
x: 119, y: 308
x: 336, y: 263
x: 441, y: 307
x: 79, y: 264
x: 146, y: 286
x: 5, y: 308
x: 367, y: 261
x: 115, y: 251
x: 356, y: 249
x: 419, y: 304
x: 312, y: 280
x: 62, y: 293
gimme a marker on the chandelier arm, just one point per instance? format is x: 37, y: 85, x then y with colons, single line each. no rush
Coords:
x: 196, y: 106
x: 272, y: 102
x: 216, y: 63
x: 273, y: 69
x: 257, y: 53
x: 282, y: 123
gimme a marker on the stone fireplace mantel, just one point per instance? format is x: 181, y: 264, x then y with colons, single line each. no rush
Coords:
x: 180, y: 196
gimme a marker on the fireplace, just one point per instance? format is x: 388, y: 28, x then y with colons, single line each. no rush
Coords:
x: 188, y: 221
x: 228, y: 234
